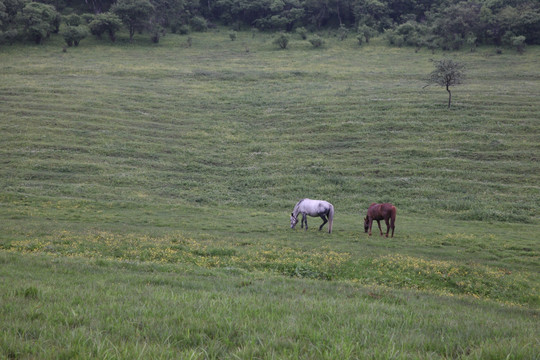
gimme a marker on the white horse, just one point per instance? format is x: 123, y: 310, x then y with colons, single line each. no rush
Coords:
x: 313, y: 208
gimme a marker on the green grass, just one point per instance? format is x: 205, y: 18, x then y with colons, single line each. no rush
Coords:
x: 145, y: 192
x: 125, y: 310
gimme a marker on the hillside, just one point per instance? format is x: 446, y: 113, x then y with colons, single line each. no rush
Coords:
x: 174, y: 169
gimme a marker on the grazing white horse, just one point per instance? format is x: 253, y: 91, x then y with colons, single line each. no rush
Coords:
x: 313, y: 208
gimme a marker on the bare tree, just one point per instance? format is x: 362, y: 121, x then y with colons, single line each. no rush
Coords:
x: 447, y: 73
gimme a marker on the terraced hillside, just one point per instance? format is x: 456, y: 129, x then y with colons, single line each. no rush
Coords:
x: 165, y: 174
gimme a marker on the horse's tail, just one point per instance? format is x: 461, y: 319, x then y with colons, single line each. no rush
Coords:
x: 330, y: 218
x: 393, y: 219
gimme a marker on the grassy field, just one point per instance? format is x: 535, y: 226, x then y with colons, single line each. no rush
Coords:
x: 145, y: 194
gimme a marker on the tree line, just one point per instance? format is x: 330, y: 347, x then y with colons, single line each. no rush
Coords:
x: 445, y: 24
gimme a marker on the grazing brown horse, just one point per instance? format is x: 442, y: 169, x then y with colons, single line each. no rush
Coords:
x: 386, y: 212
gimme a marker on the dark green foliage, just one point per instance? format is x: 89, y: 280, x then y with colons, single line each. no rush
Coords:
x: 519, y: 43
x: 108, y: 23
x: 442, y: 24
x: 453, y: 23
x: 74, y: 34
x: 72, y: 20
x: 410, y: 33
x: 198, y: 23
x: 39, y: 21
x: 282, y: 40
x: 179, y: 28
x: 343, y: 32
x: 87, y: 18
x: 133, y: 13
x: 365, y: 32
x: 316, y: 41
x: 156, y: 32
x: 302, y: 32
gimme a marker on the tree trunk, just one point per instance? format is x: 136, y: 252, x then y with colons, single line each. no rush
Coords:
x: 449, y: 96
x: 339, y: 14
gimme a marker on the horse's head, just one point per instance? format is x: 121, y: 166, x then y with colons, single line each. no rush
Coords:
x: 294, y: 221
x: 366, y: 224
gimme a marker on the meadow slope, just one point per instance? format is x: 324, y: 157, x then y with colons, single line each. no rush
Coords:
x: 139, y: 177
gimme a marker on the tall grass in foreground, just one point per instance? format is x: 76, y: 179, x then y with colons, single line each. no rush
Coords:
x: 65, y: 308
x: 145, y: 193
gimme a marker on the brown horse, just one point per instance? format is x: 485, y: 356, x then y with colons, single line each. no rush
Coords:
x: 386, y: 212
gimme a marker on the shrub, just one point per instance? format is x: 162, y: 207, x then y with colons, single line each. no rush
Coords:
x: 74, y: 34
x: 366, y: 33
x: 39, y: 21
x: 282, y: 40
x: 302, y: 32
x: 155, y: 33
x: 87, y: 18
x: 232, y: 35
x: 8, y: 36
x: 72, y: 20
x: 178, y: 27
x: 519, y: 43
x: 107, y: 22
x: 343, y: 32
x: 316, y: 41
x: 199, y: 23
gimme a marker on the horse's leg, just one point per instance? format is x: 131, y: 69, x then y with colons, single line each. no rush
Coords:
x: 380, y: 229
x: 305, y: 220
x: 324, y: 219
x: 302, y: 221
x: 370, y: 222
x: 387, y: 226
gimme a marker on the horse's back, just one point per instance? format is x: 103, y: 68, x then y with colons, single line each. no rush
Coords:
x: 381, y: 210
x: 314, y: 206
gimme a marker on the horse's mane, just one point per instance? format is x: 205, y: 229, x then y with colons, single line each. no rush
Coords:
x: 298, y: 204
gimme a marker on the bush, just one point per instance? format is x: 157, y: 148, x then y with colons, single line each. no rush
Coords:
x: 74, y: 34
x: 178, y: 27
x: 343, y: 32
x: 87, y: 18
x: 316, y: 41
x: 233, y: 34
x: 199, y: 23
x: 366, y: 33
x: 519, y: 43
x: 155, y: 33
x: 9, y: 36
x: 302, y: 32
x: 105, y: 23
x: 39, y: 21
x: 282, y: 40
x: 72, y: 20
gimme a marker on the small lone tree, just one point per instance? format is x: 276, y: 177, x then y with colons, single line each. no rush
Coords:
x: 447, y: 73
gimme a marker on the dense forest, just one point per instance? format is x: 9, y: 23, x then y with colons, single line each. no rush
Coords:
x: 445, y: 24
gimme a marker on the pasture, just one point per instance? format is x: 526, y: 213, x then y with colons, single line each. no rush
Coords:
x: 146, y: 190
